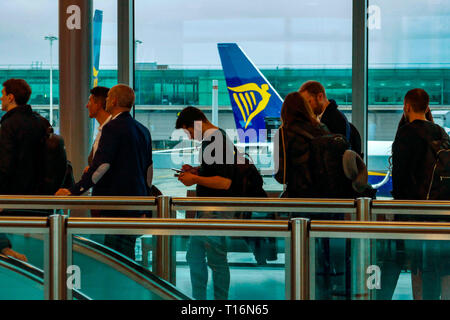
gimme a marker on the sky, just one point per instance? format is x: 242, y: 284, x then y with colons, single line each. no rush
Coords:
x: 283, y: 32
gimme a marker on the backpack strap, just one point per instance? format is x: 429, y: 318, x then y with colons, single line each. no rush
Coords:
x: 242, y: 154
x: 437, y: 145
x: 284, y: 158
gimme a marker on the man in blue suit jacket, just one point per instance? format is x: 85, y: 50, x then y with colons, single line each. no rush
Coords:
x: 122, y: 165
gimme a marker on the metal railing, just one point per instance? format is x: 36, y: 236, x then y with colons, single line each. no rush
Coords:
x: 59, y: 229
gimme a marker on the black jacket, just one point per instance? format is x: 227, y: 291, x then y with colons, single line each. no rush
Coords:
x: 298, y: 176
x: 22, y: 135
x: 335, y: 120
x: 126, y: 146
x: 410, y: 179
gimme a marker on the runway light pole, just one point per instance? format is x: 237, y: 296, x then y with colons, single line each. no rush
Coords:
x: 136, y: 43
x: 51, y: 39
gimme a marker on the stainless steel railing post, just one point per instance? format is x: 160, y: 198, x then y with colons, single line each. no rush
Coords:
x: 299, y: 260
x: 163, y: 253
x: 361, y: 253
x: 363, y: 209
x: 57, y: 258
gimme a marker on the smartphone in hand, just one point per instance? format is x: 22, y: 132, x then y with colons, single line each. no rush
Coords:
x: 177, y: 174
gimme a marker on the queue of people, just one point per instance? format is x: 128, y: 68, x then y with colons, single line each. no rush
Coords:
x: 120, y: 164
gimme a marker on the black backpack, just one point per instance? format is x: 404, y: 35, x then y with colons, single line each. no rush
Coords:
x: 325, y: 163
x: 251, y: 185
x: 438, y: 167
x: 250, y: 182
x: 55, y: 168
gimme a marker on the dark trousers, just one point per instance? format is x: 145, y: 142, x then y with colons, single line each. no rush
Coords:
x: 430, y: 259
x: 214, y: 250
x: 123, y: 243
x: 331, y: 264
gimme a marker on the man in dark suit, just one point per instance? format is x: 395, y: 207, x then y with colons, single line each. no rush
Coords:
x: 122, y: 164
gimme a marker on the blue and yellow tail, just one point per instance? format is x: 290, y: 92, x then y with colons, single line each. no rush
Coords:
x: 252, y: 97
x: 97, y: 40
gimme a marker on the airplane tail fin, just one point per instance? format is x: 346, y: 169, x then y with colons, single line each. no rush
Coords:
x: 253, y: 99
x: 97, y: 40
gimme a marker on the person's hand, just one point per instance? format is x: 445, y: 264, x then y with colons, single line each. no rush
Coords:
x: 10, y: 252
x: 187, y: 178
x: 188, y: 168
x: 86, y: 169
x: 63, y: 192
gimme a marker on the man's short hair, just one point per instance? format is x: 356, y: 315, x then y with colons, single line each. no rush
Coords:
x: 19, y: 88
x: 188, y: 116
x: 100, y: 93
x: 313, y: 88
x: 124, y: 94
x: 418, y: 99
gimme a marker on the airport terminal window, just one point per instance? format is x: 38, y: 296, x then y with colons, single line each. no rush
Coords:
x: 177, y: 58
x: 26, y: 50
x: 408, y: 48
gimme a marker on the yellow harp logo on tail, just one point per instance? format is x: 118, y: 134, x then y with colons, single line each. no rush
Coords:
x: 249, y: 105
x: 95, y: 74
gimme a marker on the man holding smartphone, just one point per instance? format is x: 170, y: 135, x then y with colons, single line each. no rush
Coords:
x: 213, y: 178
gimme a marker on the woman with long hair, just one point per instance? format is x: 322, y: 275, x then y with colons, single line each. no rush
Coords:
x: 293, y: 148
x: 295, y: 173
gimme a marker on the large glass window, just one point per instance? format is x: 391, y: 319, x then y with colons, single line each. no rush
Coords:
x: 177, y: 60
x: 408, y: 48
x: 30, y: 51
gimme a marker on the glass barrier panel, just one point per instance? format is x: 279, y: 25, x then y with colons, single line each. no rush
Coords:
x: 109, y: 269
x: 379, y: 269
x: 203, y: 267
x: 22, y: 278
